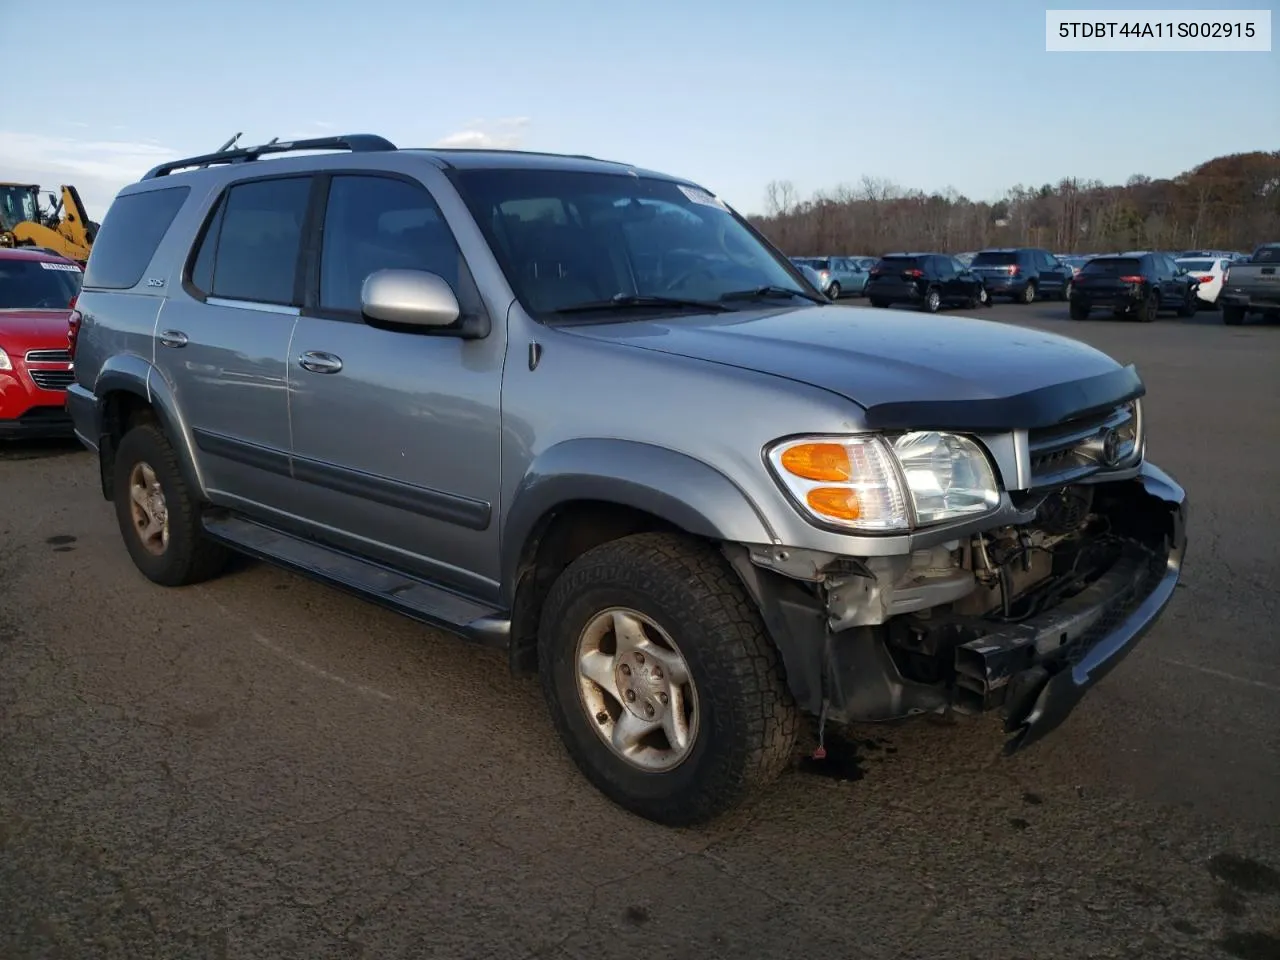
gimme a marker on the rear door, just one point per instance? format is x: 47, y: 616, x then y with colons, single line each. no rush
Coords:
x: 222, y: 341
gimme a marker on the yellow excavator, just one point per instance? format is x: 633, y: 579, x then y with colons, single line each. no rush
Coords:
x: 63, y: 228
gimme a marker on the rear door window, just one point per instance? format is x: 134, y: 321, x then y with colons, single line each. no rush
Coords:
x: 129, y: 236
x: 250, y: 249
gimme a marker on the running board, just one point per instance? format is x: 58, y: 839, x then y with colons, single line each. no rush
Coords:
x: 405, y: 594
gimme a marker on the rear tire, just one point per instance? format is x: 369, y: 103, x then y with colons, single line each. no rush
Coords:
x: 932, y: 300
x: 742, y: 722
x: 1232, y: 316
x: 159, y: 517
x: 1189, y: 304
x: 833, y: 291
x: 1149, y: 310
x: 1066, y: 292
x: 1028, y: 293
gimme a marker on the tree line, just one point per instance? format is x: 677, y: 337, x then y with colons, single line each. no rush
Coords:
x: 1228, y: 203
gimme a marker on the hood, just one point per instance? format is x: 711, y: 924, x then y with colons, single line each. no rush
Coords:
x: 907, y: 370
x: 33, y: 329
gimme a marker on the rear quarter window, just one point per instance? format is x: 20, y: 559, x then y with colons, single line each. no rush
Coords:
x: 130, y: 233
x: 1267, y: 255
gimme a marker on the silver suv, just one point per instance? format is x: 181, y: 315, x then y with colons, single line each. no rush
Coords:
x: 585, y: 413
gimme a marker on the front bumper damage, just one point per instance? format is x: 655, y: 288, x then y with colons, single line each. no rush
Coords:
x: 1033, y: 673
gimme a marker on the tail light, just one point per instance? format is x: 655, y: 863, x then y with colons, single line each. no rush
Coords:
x: 73, y: 331
x: 873, y: 272
x: 1208, y: 279
x: 1134, y: 279
x: 1013, y: 270
x: 913, y: 273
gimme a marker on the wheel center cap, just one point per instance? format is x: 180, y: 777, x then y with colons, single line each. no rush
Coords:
x: 642, y: 685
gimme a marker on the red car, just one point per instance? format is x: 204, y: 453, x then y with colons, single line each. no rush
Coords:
x: 37, y: 294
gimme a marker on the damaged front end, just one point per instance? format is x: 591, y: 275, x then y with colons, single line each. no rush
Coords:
x: 1021, y: 617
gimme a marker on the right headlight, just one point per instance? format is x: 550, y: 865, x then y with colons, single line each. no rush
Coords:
x: 5, y: 362
x: 877, y: 484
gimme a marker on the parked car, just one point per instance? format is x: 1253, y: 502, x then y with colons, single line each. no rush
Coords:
x: 1023, y: 274
x: 812, y: 276
x: 1137, y: 286
x: 1074, y: 261
x: 965, y: 259
x: 1210, y: 273
x: 840, y: 276
x: 38, y: 289
x: 1252, y: 286
x: 928, y: 281
x: 476, y: 409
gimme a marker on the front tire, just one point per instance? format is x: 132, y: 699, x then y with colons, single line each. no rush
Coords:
x: 158, y: 516
x: 661, y: 681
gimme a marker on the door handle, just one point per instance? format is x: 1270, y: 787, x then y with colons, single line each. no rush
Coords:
x: 173, y: 338
x: 319, y: 362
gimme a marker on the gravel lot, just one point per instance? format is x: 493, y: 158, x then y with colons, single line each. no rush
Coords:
x: 264, y: 767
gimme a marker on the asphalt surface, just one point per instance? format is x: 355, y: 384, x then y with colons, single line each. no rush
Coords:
x: 262, y: 767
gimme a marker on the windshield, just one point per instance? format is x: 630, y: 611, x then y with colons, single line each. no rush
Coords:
x: 37, y: 284
x: 996, y: 258
x: 1113, y: 267
x: 17, y: 204
x: 566, y: 238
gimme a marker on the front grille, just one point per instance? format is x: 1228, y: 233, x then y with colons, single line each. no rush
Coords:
x: 48, y: 356
x: 52, y: 379
x: 1071, y: 451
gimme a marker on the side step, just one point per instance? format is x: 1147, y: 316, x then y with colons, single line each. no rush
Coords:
x: 401, y: 592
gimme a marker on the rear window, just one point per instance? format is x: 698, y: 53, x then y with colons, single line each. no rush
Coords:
x: 1267, y: 255
x: 1114, y: 267
x: 898, y: 263
x: 1196, y: 265
x: 996, y: 258
x: 130, y: 233
x: 815, y: 264
x: 37, y: 284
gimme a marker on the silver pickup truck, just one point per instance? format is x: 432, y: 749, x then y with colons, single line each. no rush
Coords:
x: 585, y: 413
x: 1252, y: 286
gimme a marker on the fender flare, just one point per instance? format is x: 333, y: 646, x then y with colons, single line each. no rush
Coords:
x: 678, y: 488
x: 130, y: 373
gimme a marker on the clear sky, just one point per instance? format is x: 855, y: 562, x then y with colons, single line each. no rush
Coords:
x: 731, y: 94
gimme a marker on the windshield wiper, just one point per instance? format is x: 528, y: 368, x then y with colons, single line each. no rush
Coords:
x: 625, y: 301
x: 772, y: 292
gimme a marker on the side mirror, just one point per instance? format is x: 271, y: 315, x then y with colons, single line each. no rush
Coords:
x: 409, y: 298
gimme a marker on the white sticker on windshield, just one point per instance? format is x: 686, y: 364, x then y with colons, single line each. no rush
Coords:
x: 701, y: 196
x: 69, y: 267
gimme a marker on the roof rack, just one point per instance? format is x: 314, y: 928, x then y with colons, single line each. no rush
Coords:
x: 355, y: 142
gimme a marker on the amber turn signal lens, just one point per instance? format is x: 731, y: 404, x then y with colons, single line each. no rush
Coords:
x: 840, y: 503
x: 818, y: 461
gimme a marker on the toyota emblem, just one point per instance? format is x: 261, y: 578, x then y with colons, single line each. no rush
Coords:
x: 1110, y: 447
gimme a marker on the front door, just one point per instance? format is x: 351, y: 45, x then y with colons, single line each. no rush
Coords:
x: 222, y: 341
x: 396, y: 435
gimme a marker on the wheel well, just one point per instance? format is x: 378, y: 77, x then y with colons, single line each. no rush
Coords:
x: 560, y: 537
x: 122, y: 410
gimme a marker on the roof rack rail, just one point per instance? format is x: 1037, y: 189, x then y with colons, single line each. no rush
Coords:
x: 355, y: 142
